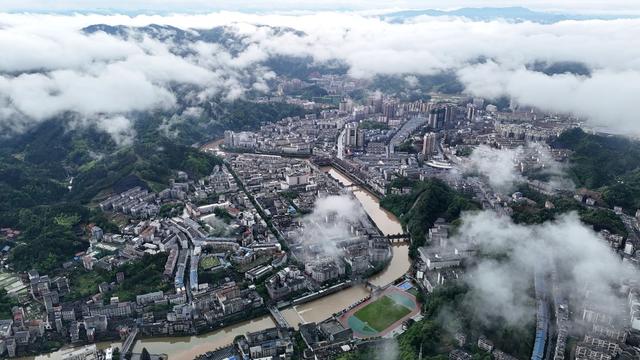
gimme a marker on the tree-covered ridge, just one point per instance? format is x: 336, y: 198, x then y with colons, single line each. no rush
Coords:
x: 6, y: 303
x: 310, y: 92
x: 149, y: 164
x: 35, y: 172
x: 24, y: 185
x: 51, y: 234
x: 427, y: 201
x: 36, y: 166
x: 217, y: 116
x: 247, y: 115
x: 608, y: 164
x: 302, y: 67
x: 538, y: 213
x: 57, y: 142
x: 140, y: 277
x: 418, y: 87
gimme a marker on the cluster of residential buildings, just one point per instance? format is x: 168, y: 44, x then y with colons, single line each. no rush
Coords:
x: 137, y: 202
x: 216, y: 223
x: 292, y: 135
x: 272, y: 343
x: 325, y: 340
x: 286, y: 282
x: 284, y: 189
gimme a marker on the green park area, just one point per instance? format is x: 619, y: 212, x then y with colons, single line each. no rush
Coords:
x: 381, y: 313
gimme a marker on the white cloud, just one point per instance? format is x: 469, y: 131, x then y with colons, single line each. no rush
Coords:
x: 45, y: 48
x: 607, y: 98
x: 503, y: 168
x: 145, y: 69
x: 412, y: 81
x: 112, y: 90
x: 120, y: 128
x: 583, y: 259
x: 52, y: 68
x: 329, y: 224
x: 497, y: 165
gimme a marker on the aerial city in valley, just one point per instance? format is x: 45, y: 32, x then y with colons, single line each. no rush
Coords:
x: 348, y: 180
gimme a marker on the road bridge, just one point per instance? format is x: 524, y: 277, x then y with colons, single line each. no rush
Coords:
x: 371, y: 287
x: 127, y: 346
x: 354, y: 175
x: 394, y: 238
x: 400, y: 237
x: 277, y: 316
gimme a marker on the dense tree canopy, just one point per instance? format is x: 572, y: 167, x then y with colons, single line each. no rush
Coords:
x: 427, y: 201
x: 6, y: 303
x: 140, y: 277
x: 599, y: 218
x: 609, y: 164
x: 36, y: 169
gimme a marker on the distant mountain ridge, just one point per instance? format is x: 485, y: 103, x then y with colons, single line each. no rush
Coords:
x: 515, y: 14
x: 225, y: 36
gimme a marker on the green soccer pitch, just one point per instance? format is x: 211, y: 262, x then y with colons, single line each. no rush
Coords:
x: 380, y: 314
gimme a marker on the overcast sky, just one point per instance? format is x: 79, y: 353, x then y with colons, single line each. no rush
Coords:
x: 572, y: 6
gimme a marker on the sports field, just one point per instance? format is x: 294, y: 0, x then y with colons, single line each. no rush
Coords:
x: 209, y: 262
x: 382, y: 314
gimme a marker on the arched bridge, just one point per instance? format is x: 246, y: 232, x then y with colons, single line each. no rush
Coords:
x: 400, y: 237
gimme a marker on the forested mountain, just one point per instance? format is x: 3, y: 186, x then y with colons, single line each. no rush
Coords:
x: 428, y: 200
x: 39, y: 197
x: 605, y: 163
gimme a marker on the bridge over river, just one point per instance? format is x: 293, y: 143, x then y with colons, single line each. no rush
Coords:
x: 127, y: 346
x: 277, y: 316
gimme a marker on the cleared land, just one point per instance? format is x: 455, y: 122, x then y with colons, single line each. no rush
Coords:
x: 381, y: 313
